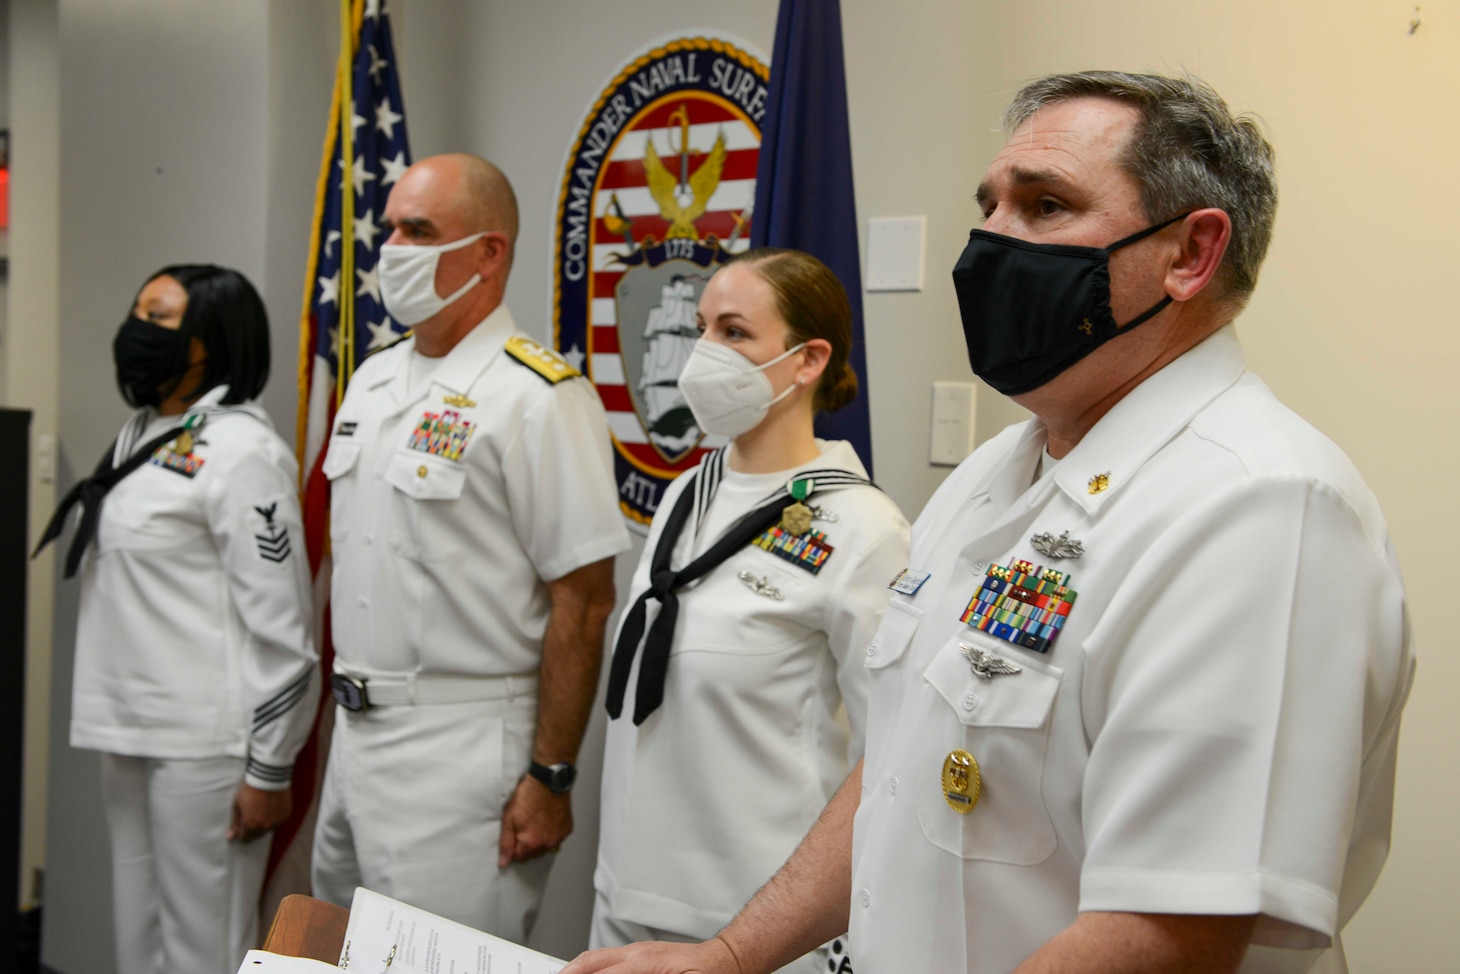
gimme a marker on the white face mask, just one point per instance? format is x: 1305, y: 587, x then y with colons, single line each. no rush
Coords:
x: 408, y: 279
x: 727, y: 392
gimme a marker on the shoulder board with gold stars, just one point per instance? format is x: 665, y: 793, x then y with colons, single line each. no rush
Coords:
x: 540, y: 359
x: 390, y: 344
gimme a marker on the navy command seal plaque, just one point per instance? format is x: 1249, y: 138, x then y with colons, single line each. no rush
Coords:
x: 657, y: 193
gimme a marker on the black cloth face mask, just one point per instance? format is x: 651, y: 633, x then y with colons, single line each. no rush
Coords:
x: 148, y: 358
x: 1031, y: 310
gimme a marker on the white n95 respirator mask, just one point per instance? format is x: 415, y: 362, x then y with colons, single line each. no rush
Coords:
x: 727, y: 392
x: 408, y: 279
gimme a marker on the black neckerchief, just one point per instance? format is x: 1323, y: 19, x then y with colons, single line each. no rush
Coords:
x: 91, y: 492
x: 664, y: 582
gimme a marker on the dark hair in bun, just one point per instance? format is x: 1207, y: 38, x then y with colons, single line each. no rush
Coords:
x: 811, y: 299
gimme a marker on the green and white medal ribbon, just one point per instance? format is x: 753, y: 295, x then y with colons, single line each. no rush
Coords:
x: 796, y: 518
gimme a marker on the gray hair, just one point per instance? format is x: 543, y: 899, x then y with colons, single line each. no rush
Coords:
x: 1187, y: 152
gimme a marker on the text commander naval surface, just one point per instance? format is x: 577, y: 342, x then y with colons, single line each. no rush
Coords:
x: 1135, y: 704
x: 473, y: 523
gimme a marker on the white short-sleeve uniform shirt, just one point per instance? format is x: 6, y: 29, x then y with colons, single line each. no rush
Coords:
x: 1214, y: 728
x: 452, y: 500
x: 705, y: 800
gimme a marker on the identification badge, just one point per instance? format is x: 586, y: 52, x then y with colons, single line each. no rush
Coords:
x: 908, y: 581
x: 444, y: 434
x: 962, y: 782
x: 1022, y: 604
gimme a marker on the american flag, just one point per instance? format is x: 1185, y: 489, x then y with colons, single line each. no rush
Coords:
x: 381, y: 153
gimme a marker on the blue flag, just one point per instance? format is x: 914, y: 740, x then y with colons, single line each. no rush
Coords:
x: 803, y: 182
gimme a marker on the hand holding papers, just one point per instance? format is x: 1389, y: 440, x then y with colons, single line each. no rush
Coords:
x: 423, y: 943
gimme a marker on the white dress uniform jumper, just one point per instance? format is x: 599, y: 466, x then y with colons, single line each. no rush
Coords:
x: 195, y: 671
x: 709, y: 785
x: 455, y: 492
x: 1166, y: 676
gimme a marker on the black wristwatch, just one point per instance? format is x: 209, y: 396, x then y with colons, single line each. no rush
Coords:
x: 558, y: 777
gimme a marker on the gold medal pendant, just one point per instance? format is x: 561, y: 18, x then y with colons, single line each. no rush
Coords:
x: 796, y: 518
x: 961, y: 781
x: 183, y: 445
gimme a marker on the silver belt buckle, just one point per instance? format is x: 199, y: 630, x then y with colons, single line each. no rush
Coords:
x: 349, y: 692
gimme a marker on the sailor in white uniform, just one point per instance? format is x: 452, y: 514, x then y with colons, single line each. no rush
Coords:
x: 473, y: 526
x: 1135, y: 705
x: 722, y: 753
x: 195, y: 665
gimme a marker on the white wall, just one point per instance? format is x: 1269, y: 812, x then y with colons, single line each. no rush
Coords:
x: 30, y: 360
x: 163, y: 140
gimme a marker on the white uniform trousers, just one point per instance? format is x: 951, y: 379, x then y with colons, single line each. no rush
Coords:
x: 610, y: 931
x: 412, y: 809
x: 184, y: 897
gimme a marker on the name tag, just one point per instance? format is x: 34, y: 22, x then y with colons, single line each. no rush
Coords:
x: 908, y: 581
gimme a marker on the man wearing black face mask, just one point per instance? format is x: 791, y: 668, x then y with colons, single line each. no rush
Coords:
x: 1136, y: 700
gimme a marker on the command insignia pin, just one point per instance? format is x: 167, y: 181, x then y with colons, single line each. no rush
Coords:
x: 1061, y: 547
x: 962, y: 782
x: 986, y: 665
x: 1099, y: 482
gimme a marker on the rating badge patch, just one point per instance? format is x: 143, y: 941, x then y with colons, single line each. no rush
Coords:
x: 657, y: 194
x: 1023, y: 604
x: 273, y: 539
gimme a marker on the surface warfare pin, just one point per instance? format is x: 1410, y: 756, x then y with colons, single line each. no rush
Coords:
x: 962, y: 782
x: 761, y: 586
x: 1062, y: 547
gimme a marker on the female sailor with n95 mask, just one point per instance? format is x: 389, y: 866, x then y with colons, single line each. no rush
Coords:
x: 737, y: 689
x: 195, y: 658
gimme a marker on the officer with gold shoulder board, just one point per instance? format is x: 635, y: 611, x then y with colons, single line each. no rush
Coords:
x: 474, y: 522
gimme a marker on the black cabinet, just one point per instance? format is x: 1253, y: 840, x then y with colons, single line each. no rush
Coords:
x: 14, y: 507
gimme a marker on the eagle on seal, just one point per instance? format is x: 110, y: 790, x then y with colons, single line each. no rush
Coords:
x: 702, y: 184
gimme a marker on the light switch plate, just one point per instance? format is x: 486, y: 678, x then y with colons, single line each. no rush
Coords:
x: 953, y: 413
x: 45, y: 459
x: 895, y: 253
